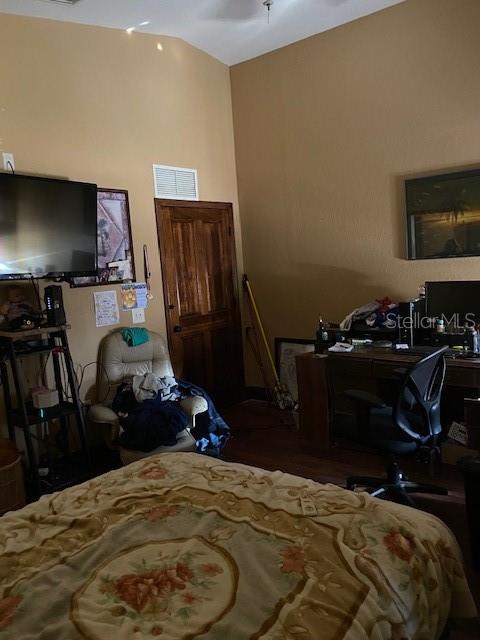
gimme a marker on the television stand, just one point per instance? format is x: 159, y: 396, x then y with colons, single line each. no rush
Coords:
x: 21, y: 414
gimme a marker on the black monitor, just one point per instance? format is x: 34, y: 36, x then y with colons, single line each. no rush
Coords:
x: 48, y: 227
x: 456, y: 301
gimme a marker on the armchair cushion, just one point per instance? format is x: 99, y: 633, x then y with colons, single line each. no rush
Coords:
x: 102, y: 414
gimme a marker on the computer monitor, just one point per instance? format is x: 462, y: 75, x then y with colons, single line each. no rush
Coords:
x: 456, y: 301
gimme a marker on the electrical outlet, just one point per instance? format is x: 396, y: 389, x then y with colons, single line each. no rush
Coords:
x: 138, y: 316
x: 8, y: 162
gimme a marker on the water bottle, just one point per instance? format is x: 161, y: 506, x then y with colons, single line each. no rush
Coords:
x: 475, y: 341
x: 472, y: 342
x: 322, y: 336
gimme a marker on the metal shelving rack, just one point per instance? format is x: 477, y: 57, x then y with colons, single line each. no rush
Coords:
x: 22, y: 414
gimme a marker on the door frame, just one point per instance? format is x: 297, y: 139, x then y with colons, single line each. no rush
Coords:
x: 165, y: 203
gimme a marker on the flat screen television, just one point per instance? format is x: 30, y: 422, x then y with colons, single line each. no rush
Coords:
x: 48, y: 228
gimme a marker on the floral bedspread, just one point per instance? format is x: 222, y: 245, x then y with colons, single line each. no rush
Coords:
x: 183, y: 546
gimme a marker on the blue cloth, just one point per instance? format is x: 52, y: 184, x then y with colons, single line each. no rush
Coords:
x: 211, y: 431
x: 151, y: 424
x: 135, y: 336
x: 156, y: 422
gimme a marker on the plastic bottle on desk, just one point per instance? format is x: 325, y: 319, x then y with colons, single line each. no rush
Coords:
x: 439, y: 325
x: 322, y: 337
x: 475, y: 340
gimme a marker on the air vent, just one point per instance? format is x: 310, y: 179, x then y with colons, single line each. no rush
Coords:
x: 175, y: 183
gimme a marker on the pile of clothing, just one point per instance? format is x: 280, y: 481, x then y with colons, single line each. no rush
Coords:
x: 151, y: 416
x: 381, y: 313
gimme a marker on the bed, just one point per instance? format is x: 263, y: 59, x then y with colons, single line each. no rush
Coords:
x: 184, y: 546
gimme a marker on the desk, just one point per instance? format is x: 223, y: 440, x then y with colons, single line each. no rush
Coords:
x: 322, y: 379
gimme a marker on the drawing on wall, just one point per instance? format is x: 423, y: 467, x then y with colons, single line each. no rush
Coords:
x: 114, y: 240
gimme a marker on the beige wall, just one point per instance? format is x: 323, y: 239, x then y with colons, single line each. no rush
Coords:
x: 325, y: 130
x: 98, y: 105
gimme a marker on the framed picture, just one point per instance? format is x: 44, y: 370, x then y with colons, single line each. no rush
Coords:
x: 114, y: 240
x: 286, y: 350
x: 443, y: 215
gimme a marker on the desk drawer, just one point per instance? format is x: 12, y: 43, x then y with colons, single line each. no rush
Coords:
x: 459, y: 376
x: 386, y: 370
x: 347, y: 372
x: 349, y: 366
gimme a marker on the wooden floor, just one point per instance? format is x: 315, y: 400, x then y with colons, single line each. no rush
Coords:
x: 265, y: 437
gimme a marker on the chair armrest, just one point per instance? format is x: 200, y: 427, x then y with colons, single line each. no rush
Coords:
x: 365, y: 398
x: 102, y: 414
x: 193, y: 405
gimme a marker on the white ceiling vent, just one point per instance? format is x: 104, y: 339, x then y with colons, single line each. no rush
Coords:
x: 175, y: 183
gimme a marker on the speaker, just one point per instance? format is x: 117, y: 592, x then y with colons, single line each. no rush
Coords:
x: 54, y: 306
x: 410, y: 316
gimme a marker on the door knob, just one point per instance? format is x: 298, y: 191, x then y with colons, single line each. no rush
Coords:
x: 177, y: 328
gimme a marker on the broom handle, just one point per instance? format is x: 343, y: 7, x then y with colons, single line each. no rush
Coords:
x: 262, y: 331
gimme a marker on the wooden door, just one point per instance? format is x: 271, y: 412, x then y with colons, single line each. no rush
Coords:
x: 197, y: 250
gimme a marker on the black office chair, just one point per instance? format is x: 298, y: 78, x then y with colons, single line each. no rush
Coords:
x: 412, y: 425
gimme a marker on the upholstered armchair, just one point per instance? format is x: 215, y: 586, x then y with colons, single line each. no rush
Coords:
x: 119, y: 362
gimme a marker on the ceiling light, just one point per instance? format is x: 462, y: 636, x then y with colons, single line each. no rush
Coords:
x: 144, y: 24
x: 130, y: 30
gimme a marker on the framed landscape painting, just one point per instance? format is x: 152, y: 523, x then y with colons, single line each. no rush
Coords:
x: 443, y: 215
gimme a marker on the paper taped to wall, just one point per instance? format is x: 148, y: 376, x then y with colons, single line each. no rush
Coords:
x: 106, y: 308
x: 134, y: 296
